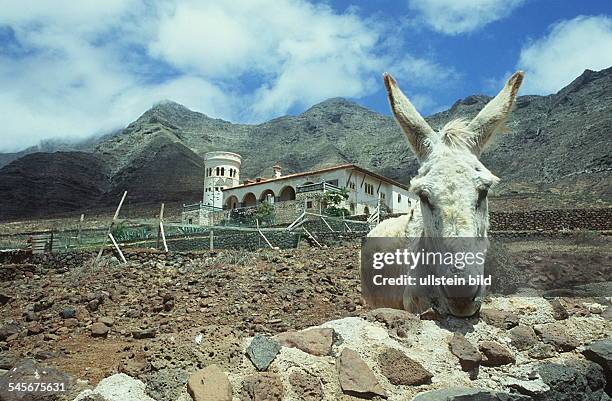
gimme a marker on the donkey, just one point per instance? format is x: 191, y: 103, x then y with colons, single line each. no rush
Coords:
x: 452, y: 187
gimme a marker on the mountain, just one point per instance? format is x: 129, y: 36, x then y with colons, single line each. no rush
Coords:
x: 41, y: 184
x: 555, y: 153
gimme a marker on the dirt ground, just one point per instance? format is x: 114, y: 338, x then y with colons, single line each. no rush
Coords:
x: 157, y: 307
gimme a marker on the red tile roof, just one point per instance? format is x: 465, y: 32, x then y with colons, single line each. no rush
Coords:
x: 322, y: 170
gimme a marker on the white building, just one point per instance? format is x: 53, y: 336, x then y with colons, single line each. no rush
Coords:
x: 364, y: 189
x: 291, y: 194
x: 221, y: 171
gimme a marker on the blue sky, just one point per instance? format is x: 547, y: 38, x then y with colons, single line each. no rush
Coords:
x: 75, y: 69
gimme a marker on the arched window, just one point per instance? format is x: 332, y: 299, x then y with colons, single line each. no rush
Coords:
x: 287, y: 193
x: 399, y: 198
x: 267, y: 195
x: 222, y: 171
x: 249, y: 199
x: 217, y: 171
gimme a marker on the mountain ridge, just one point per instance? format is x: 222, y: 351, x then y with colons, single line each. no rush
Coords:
x: 555, y: 144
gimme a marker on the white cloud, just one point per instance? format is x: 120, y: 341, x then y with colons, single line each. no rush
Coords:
x: 569, y: 48
x: 454, y: 17
x: 299, y: 53
x: 75, y: 69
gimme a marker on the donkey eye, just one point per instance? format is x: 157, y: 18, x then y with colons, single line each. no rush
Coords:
x: 482, y: 195
x: 424, y: 196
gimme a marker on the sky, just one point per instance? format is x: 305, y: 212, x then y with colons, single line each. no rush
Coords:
x: 73, y: 70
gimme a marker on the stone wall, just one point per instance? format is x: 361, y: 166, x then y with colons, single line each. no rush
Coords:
x: 544, y: 220
x: 551, y: 220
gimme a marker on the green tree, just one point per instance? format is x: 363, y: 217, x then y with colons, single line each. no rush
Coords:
x: 265, y: 212
x: 332, y: 201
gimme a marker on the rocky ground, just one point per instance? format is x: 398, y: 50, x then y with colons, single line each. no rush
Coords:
x: 290, y: 325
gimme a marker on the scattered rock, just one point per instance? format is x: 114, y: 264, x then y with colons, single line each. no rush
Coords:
x: 99, y: 330
x: 165, y: 384
x: 555, y: 335
x: 534, y: 387
x: 209, y: 384
x: 34, y: 328
x: 28, y: 372
x: 495, y: 354
x: 68, y: 312
x: 469, y: 357
x: 400, y: 322
x: 355, y: 376
x: 559, y: 311
x: 315, y: 341
x: 262, y: 351
x: 262, y: 386
x: 7, y: 330
x: 144, y: 333
x: 5, y: 299
x: 542, y: 351
x: 307, y: 387
x: 109, y: 321
x: 522, y: 337
x: 600, y: 352
x: 401, y: 369
x: 498, y: 318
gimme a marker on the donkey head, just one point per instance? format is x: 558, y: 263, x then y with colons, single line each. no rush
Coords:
x: 452, y: 184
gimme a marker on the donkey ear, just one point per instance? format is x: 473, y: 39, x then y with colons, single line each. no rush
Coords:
x: 494, y: 114
x: 414, y: 126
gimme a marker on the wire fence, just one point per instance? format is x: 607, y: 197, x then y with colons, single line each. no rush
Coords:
x: 186, y: 237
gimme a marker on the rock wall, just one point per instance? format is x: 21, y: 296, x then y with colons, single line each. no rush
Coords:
x: 559, y: 219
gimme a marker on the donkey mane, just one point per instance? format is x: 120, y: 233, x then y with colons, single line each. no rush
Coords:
x: 456, y: 134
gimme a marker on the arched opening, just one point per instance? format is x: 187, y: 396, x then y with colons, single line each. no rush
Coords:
x: 217, y: 171
x: 249, y: 199
x: 268, y: 195
x: 231, y: 202
x: 222, y: 171
x: 287, y: 193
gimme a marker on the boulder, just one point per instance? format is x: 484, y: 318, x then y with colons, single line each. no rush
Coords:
x: 355, y: 376
x: 307, y: 387
x: 495, y: 354
x: 600, y: 352
x: 499, y: 318
x: 262, y: 386
x: 555, y: 335
x: 165, y: 384
x: 522, y: 337
x: 118, y: 387
x: 401, y: 369
x: 209, y: 384
x: 28, y: 372
x: 399, y: 322
x: 315, y: 341
x: 99, y: 329
x: 468, y: 394
x: 469, y: 357
x: 584, y: 382
x: 262, y: 351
